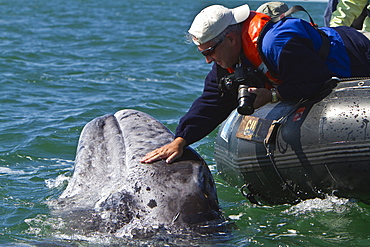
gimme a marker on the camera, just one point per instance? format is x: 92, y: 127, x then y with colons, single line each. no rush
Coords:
x: 240, y: 81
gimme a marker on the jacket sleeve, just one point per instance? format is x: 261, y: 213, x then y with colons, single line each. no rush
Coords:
x: 207, y: 111
x: 347, y: 11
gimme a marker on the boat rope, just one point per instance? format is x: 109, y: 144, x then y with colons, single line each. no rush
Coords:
x: 352, y: 78
x: 268, y: 143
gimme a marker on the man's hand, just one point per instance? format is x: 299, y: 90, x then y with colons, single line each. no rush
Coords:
x: 263, y: 96
x: 170, y: 152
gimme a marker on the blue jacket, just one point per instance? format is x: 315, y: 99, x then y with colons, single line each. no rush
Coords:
x: 290, y: 47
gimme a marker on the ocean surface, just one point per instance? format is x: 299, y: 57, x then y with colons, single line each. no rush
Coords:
x: 64, y: 63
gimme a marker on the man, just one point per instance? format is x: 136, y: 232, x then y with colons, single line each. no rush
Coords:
x: 273, y: 9
x: 294, y: 60
x: 347, y: 11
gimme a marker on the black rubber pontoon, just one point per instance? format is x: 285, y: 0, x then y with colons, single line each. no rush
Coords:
x: 291, y: 151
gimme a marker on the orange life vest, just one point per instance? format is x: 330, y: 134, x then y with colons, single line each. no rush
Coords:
x: 251, y: 30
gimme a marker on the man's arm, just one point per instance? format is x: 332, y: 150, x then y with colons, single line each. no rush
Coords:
x: 205, y: 114
x: 347, y: 11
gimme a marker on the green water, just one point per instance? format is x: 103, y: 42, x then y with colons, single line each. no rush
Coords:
x: 64, y: 63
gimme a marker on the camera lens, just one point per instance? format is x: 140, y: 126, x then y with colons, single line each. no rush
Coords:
x: 245, y: 101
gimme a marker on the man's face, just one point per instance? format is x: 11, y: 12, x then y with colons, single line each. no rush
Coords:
x: 224, y: 53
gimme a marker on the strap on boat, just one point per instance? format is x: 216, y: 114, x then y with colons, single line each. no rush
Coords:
x: 270, y: 141
x: 248, y: 195
x: 271, y: 136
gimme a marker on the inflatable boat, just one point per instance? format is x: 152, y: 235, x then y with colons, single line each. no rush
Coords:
x: 287, y: 152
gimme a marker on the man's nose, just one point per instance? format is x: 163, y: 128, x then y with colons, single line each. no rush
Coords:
x: 209, y: 59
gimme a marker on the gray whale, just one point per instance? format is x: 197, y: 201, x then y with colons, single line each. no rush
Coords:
x: 112, y: 192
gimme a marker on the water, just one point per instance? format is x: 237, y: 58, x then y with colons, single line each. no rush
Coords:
x: 64, y: 63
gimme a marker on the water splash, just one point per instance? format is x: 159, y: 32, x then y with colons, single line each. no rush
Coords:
x: 328, y: 204
x: 57, y: 182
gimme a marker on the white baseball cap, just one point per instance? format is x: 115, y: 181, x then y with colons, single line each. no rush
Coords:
x: 212, y: 20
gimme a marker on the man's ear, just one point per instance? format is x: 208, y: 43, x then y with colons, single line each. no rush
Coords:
x: 231, y: 38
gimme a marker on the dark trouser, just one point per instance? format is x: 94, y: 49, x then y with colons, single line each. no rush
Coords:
x: 358, y: 48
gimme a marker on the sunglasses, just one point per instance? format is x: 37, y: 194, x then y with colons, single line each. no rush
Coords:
x: 211, y: 50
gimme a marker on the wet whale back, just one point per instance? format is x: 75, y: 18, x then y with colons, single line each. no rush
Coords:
x: 120, y: 195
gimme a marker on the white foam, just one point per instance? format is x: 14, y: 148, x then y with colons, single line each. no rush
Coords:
x: 8, y: 171
x: 236, y: 217
x: 54, y: 183
x: 328, y: 204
